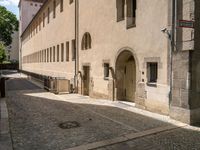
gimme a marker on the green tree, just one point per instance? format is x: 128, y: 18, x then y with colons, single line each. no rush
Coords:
x: 2, y: 52
x: 8, y: 24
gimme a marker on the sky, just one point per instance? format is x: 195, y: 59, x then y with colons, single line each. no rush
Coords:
x: 11, y: 5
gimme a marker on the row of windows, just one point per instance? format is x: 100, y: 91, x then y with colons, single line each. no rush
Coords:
x: 59, y: 53
x: 37, y: 25
x: 130, y: 14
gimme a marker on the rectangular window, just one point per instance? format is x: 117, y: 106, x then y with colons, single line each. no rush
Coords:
x: 58, y: 55
x: 120, y: 9
x: 36, y: 26
x: 131, y: 13
x: 73, y: 49
x: 40, y: 23
x: 48, y: 15
x: 61, y: 5
x: 37, y: 54
x: 67, y: 51
x: 152, y: 73
x: 50, y: 54
x: 40, y: 56
x: 47, y: 55
x: 106, y: 71
x: 62, y: 52
x: 43, y: 19
x: 54, y: 54
x: 33, y: 29
x: 54, y: 9
x: 70, y: 1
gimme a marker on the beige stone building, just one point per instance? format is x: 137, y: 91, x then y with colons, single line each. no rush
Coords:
x: 127, y: 50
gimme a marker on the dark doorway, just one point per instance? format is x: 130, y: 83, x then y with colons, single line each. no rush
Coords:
x: 86, y: 80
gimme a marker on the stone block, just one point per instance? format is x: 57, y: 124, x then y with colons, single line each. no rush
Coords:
x: 184, y: 98
x: 176, y: 101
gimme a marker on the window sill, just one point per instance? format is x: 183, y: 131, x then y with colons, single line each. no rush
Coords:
x: 152, y: 84
x: 106, y: 78
x: 121, y: 19
x: 131, y: 26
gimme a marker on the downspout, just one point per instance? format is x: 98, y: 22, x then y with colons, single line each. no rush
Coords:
x: 172, y: 45
x: 76, y: 47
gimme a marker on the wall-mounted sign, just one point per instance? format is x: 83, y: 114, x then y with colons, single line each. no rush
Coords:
x: 185, y: 24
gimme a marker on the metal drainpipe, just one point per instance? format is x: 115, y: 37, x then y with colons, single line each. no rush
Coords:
x: 174, y: 13
x: 75, y: 47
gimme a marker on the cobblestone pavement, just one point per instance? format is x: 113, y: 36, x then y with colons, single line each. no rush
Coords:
x: 177, y: 139
x: 35, y: 116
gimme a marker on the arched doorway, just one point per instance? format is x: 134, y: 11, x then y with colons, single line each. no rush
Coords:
x: 126, y: 76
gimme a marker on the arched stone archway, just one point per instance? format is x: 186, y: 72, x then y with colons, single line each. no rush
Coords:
x: 126, y: 76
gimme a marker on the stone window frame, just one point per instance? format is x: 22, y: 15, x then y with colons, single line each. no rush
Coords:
x: 106, y: 61
x: 159, y: 64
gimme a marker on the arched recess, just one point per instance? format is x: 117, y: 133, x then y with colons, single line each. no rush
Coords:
x: 126, y: 75
x: 86, y: 41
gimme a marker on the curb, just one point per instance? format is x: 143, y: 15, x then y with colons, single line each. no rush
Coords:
x: 6, y: 141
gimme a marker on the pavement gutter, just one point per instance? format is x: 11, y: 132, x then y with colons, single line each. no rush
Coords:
x: 6, y: 141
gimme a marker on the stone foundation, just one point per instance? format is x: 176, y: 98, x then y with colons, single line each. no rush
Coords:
x: 185, y: 115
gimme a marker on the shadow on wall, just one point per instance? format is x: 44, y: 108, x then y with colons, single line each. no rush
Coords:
x: 195, y: 59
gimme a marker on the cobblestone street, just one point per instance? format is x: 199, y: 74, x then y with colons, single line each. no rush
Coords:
x: 35, y: 116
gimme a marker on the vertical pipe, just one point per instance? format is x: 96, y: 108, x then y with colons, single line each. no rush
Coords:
x: 172, y: 46
x: 76, y: 46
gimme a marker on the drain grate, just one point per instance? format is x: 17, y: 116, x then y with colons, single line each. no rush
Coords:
x: 69, y: 125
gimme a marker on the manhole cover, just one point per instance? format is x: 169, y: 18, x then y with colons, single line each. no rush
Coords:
x: 69, y: 125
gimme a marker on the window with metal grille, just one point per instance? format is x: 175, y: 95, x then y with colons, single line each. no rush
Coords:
x: 106, y: 71
x: 152, y: 72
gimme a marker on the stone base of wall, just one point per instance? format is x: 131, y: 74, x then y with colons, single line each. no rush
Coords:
x: 185, y: 115
x: 98, y: 95
x: 157, y: 107
x: 140, y: 103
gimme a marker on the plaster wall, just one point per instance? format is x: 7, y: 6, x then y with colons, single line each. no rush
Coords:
x: 145, y: 41
x: 59, y: 30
